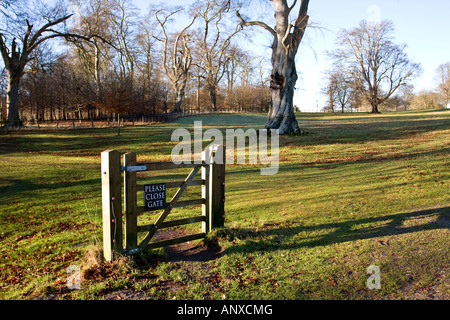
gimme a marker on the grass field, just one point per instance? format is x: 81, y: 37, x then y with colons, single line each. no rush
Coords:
x: 357, y: 190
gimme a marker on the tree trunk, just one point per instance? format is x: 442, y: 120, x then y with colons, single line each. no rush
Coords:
x: 178, y: 102
x: 213, y: 97
x: 97, y: 73
x: 198, y: 96
x: 12, y: 102
x: 284, y: 74
x: 179, y: 95
x: 374, y: 105
x: 282, y: 84
x: 177, y: 106
x: 331, y: 98
x: 374, y: 102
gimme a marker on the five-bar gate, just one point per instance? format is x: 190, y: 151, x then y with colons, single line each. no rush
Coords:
x: 120, y: 223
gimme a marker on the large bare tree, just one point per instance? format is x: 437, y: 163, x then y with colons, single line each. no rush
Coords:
x: 287, y: 36
x: 123, y: 17
x: 375, y: 61
x: 213, y: 42
x: 178, y: 59
x: 92, y: 18
x: 16, y: 55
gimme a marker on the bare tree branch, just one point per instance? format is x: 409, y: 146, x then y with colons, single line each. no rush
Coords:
x: 292, y: 6
x: 31, y: 45
x: 255, y: 23
x: 304, y: 8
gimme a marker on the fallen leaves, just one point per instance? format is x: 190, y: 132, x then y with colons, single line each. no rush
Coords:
x: 66, y: 256
x: 333, y: 281
x: 101, y: 272
x: 273, y: 282
x: 27, y: 236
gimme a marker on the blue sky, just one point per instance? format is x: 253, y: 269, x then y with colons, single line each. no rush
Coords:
x: 423, y: 25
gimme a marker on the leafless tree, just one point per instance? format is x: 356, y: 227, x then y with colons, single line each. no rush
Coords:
x: 110, y: 60
x: 406, y: 96
x: 178, y: 59
x: 237, y: 66
x: 339, y: 88
x: 212, y: 42
x: 148, y: 63
x: 123, y: 16
x: 425, y: 100
x: 92, y: 18
x: 379, y: 65
x: 329, y: 91
x: 16, y: 55
x: 443, y: 76
x: 287, y: 36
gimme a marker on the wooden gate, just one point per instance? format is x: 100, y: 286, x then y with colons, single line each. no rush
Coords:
x: 120, y: 222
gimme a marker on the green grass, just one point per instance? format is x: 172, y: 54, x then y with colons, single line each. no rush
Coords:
x: 357, y: 190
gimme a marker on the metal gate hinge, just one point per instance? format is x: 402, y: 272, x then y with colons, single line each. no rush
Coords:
x: 131, y: 251
x: 134, y: 168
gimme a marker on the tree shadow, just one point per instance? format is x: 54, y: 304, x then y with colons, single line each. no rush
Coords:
x: 371, y: 128
x: 17, y: 187
x: 333, y: 233
x: 327, y: 164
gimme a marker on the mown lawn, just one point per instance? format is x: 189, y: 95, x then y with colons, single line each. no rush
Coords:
x: 357, y: 190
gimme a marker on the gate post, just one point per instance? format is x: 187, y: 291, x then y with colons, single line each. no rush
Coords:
x: 111, y: 204
x: 206, y: 157
x: 130, y: 204
x: 217, y: 187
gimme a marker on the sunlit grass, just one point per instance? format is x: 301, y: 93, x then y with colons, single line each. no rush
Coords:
x: 356, y: 190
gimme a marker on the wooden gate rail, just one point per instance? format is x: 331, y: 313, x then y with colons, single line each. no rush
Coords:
x: 169, y: 207
x: 118, y: 241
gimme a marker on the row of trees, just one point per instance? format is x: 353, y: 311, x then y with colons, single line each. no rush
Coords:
x: 117, y: 60
x: 115, y: 46
x: 120, y: 61
x: 370, y: 72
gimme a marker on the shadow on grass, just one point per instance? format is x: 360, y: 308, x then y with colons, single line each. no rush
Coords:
x: 323, y: 131
x: 332, y: 233
x: 17, y: 187
x: 86, y: 142
x: 376, y: 158
x: 93, y: 141
x: 365, y: 129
